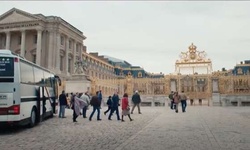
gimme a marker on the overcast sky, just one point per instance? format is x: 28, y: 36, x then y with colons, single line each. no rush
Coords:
x: 153, y: 34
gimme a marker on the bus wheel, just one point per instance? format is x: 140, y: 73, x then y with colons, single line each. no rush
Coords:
x: 32, y: 118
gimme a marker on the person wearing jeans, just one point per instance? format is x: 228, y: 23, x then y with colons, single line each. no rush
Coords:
x: 115, y: 106
x: 85, y: 98
x: 183, y: 98
x: 96, y: 103
x: 63, y: 104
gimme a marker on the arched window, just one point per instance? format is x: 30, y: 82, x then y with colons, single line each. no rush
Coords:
x: 139, y: 75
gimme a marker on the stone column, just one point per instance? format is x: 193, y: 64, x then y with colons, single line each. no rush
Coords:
x: 7, y: 45
x: 81, y: 46
x: 50, y: 51
x: 66, y: 54
x: 23, y: 43
x: 58, y: 37
x: 74, y: 55
x: 38, y: 47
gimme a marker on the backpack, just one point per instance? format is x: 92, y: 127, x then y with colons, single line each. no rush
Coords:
x: 108, y: 102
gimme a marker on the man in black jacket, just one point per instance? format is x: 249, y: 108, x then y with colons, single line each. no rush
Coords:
x: 136, y: 99
x: 63, y: 104
x: 96, y: 103
x: 115, y: 106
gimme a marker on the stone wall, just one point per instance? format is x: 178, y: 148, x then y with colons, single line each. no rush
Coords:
x: 231, y: 100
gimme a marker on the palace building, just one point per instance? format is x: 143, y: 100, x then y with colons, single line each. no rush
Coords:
x: 55, y: 44
x: 48, y: 41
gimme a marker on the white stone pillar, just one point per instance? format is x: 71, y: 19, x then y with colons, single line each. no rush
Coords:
x: 23, y: 43
x: 74, y: 56
x: 58, y: 36
x: 7, y: 45
x: 67, y: 55
x: 50, y: 51
x: 81, y: 47
x: 39, y: 47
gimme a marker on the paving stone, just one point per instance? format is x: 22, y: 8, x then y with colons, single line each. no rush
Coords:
x: 158, y: 128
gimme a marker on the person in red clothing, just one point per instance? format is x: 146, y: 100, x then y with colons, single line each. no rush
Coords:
x: 125, y: 107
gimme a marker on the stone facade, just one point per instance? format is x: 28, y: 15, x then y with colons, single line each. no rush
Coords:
x: 48, y: 41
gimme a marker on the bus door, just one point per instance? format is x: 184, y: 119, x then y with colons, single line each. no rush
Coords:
x: 42, y: 103
x: 46, y: 102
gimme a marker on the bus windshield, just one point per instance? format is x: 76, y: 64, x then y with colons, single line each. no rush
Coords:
x: 6, y: 66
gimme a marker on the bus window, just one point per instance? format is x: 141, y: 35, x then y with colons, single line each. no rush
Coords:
x: 47, y: 79
x: 38, y: 76
x: 26, y: 73
x: 6, y: 66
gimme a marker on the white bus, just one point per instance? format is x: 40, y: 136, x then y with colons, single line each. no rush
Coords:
x: 28, y: 92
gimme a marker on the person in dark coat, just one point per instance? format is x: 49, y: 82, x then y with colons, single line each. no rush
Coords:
x: 115, y: 106
x: 171, y: 97
x: 96, y: 103
x: 72, y: 106
x: 136, y: 99
x: 63, y: 104
x: 109, y: 103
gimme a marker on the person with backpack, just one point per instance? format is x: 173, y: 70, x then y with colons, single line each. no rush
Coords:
x: 109, y: 103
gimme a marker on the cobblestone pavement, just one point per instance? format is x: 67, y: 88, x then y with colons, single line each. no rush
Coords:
x: 158, y: 128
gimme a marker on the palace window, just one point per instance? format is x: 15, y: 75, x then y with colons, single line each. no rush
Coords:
x: 77, y: 48
x: 4, y: 41
x: 69, y: 65
x: 239, y: 70
x: 62, y: 40
x: 139, y: 75
x: 19, y: 40
x: 70, y: 44
x: 34, y: 59
x: 61, y: 63
x: 35, y: 39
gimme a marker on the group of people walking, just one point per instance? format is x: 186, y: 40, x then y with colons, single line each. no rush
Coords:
x: 177, y: 98
x: 79, y: 103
